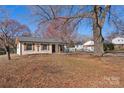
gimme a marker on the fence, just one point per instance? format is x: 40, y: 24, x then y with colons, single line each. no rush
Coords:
x: 71, y: 50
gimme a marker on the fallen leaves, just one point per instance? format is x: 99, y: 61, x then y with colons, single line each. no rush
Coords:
x: 60, y: 70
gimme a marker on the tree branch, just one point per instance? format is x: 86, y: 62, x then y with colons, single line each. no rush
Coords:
x: 42, y: 9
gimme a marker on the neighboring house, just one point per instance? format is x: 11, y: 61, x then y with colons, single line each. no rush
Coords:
x: 118, y: 42
x: 88, y: 46
x: 33, y: 45
x: 79, y: 47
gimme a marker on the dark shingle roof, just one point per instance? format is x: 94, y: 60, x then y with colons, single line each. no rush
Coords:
x: 38, y: 39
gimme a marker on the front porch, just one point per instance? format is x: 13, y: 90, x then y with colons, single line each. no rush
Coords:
x: 33, y: 48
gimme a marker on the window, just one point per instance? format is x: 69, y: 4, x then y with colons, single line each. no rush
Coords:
x: 27, y: 46
x: 44, y: 47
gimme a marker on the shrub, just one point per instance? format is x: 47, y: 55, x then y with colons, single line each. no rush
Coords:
x: 2, y: 51
x: 109, y: 46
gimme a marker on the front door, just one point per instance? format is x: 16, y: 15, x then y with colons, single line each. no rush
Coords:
x: 53, y: 48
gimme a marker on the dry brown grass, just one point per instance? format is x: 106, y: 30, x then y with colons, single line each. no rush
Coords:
x: 60, y: 70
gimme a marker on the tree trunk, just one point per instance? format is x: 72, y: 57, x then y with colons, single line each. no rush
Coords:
x: 97, y: 30
x: 98, y: 41
x: 8, y: 52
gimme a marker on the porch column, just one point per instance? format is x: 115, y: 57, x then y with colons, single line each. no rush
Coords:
x: 50, y: 48
x: 56, y: 48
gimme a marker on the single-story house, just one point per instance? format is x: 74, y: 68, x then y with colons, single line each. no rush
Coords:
x: 33, y: 45
x: 118, y: 42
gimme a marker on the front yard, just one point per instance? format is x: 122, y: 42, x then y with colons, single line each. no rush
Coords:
x: 62, y: 70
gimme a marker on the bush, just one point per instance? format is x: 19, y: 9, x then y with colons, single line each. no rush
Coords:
x: 109, y: 46
x: 2, y: 51
x: 12, y: 50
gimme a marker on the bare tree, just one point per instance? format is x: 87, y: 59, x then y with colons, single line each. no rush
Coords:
x: 112, y: 35
x: 99, y: 16
x: 9, y: 29
x: 57, y: 29
x: 96, y: 14
x: 86, y: 38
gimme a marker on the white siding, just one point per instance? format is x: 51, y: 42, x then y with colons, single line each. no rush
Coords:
x: 21, y: 51
x: 19, y: 48
x: 88, y: 46
x: 118, y: 40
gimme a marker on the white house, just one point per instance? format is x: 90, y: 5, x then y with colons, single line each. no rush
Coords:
x: 88, y: 46
x: 118, y: 42
x: 79, y: 47
x: 33, y: 45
